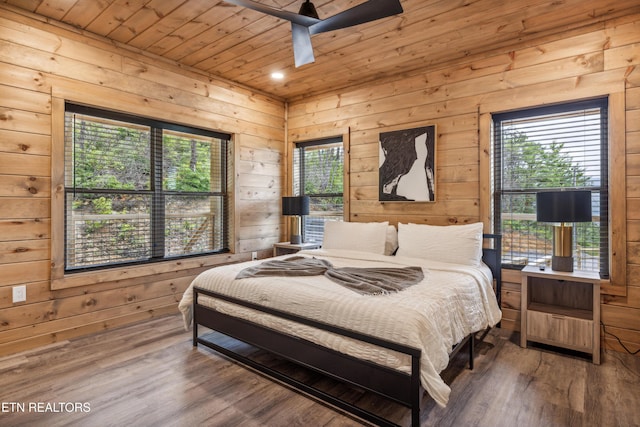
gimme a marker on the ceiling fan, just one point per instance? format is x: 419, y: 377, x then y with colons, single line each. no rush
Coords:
x: 306, y: 22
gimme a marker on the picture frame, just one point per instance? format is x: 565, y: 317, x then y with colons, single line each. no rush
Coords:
x: 407, y: 165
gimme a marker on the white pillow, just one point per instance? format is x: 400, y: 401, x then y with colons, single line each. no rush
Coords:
x: 459, y: 244
x: 359, y: 236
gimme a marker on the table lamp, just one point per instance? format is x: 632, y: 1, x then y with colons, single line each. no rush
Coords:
x: 563, y: 207
x: 295, y: 207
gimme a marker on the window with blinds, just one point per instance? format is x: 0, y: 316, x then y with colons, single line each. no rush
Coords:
x: 551, y: 148
x: 140, y: 190
x: 318, y: 172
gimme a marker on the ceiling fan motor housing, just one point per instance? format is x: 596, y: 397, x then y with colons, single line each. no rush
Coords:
x: 308, y: 9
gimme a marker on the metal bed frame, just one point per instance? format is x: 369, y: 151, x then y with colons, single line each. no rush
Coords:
x: 400, y: 387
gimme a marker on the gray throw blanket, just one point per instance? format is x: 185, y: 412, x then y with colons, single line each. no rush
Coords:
x: 365, y: 281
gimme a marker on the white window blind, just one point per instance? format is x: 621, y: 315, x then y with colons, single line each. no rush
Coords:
x: 551, y: 148
x: 140, y: 190
x: 318, y: 172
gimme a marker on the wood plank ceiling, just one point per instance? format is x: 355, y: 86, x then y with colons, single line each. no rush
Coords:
x: 246, y: 46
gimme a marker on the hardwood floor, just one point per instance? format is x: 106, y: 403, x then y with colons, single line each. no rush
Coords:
x: 149, y: 374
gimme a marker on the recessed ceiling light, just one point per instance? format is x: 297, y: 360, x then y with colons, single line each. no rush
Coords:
x: 277, y: 75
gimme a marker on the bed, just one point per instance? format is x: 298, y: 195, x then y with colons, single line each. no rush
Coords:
x: 391, y: 342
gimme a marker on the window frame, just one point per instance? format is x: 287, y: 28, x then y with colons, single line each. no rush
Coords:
x: 298, y: 189
x: 59, y: 280
x: 157, y: 193
x: 604, y: 105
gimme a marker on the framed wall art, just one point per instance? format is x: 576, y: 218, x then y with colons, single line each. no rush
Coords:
x: 407, y: 165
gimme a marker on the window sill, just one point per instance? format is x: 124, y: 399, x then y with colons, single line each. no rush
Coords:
x: 96, y: 277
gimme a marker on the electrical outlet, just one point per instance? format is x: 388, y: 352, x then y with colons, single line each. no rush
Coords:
x: 254, y: 255
x: 19, y: 293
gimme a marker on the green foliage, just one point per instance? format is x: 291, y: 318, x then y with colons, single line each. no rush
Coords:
x: 532, y: 166
x: 328, y: 171
x: 192, y: 180
x: 127, y: 237
x: 102, y: 206
x: 529, y: 165
x: 187, y: 163
x: 110, y: 157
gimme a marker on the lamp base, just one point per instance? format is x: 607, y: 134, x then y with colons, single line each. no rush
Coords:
x: 295, y: 236
x: 562, y: 263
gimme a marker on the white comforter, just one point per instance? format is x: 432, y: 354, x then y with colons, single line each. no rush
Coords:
x: 451, y: 302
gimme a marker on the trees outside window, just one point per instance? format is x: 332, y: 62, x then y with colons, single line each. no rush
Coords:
x: 139, y: 190
x: 319, y: 173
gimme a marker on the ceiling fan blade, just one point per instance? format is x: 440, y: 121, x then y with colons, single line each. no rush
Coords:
x: 302, y: 48
x: 303, y: 20
x: 365, y: 12
x: 302, y: 26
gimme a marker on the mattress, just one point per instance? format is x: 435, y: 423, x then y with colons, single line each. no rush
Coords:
x: 450, y: 303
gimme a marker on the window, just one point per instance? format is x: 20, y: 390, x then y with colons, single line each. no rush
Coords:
x: 139, y: 190
x: 318, y: 172
x: 551, y: 148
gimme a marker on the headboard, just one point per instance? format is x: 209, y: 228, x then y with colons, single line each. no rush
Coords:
x: 492, y: 256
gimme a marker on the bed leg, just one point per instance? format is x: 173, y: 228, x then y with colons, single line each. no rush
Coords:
x: 194, y: 320
x: 415, y: 417
x: 195, y: 334
x: 471, y: 350
x: 415, y: 391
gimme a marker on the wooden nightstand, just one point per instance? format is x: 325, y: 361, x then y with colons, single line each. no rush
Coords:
x: 285, y: 248
x: 561, y: 309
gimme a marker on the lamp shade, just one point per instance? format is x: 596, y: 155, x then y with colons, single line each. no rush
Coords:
x: 298, y: 205
x: 563, y: 206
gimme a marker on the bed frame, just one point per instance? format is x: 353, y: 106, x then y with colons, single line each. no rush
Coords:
x: 400, y: 387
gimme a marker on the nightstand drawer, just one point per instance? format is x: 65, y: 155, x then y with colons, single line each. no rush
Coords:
x: 565, y: 331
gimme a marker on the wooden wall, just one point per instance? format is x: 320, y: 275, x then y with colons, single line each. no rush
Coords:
x: 41, y: 65
x: 597, y: 60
